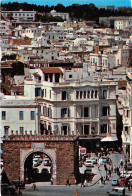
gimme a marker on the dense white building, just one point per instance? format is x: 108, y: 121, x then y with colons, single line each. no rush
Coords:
x: 64, y: 16
x: 18, y: 113
x: 20, y: 15
x: 72, y: 102
x: 125, y: 110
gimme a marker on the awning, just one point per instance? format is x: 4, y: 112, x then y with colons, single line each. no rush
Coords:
x: 109, y: 139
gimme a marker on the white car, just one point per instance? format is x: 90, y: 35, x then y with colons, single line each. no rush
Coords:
x: 94, y: 160
x: 88, y: 163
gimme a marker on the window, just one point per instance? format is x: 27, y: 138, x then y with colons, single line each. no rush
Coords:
x: 80, y: 94
x: 96, y: 94
x: 65, y: 112
x: 88, y: 94
x: 50, y: 94
x: 104, y: 94
x: 45, y: 111
x: 92, y: 94
x: 106, y: 111
x: 21, y: 130
x: 77, y: 94
x: 70, y: 76
x: 86, y: 114
x: 127, y: 113
x: 50, y: 112
x: 64, y: 95
x: 86, y: 129
x: 104, y: 128
x: 37, y: 92
x: 32, y: 115
x: 6, y: 131
x: 3, y: 115
x: 84, y: 94
x: 21, y: 115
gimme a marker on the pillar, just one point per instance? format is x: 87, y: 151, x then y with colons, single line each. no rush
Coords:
x: 53, y: 78
x: 90, y: 111
x: 98, y: 128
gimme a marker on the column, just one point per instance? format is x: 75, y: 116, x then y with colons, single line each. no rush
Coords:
x: 48, y: 78
x: 108, y: 92
x: 53, y: 78
x: 98, y: 128
x: 90, y: 111
x: 83, y: 129
x: 74, y: 111
x: 90, y: 126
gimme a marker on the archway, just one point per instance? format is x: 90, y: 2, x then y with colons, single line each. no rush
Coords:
x: 38, y: 168
x: 29, y: 172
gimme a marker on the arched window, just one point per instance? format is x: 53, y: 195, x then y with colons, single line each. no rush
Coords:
x: 64, y: 97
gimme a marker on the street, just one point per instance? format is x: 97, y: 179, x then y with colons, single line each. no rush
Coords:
x: 92, y: 188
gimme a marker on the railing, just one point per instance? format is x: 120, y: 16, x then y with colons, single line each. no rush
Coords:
x: 38, y: 137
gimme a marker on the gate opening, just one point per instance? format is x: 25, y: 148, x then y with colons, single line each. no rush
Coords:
x: 38, y: 168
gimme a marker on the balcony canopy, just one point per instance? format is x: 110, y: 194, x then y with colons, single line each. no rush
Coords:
x: 109, y: 139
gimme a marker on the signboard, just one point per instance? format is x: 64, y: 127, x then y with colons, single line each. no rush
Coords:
x: 38, y: 145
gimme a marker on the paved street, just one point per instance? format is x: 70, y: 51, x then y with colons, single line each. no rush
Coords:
x: 46, y: 189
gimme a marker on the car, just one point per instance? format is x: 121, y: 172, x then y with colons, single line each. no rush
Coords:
x: 123, y: 174
x: 129, y: 166
x: 88, y: 171
x: 115, y: 182
x: 80, y: 163
x: 88, y: 163
x: 47, y: 163
x: 94, y: 160
x: 116, y: 191
x: 104, y: 159
x: 45, y: 171
x: 122, y: 182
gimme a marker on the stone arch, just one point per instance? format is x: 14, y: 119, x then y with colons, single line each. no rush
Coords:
x: 25, y: 153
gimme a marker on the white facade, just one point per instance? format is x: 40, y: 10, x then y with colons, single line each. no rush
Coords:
x: 64, y: 16
x: 123, y: 23
x: 20, y: 15
x: 18, y: 113
x: 125, y: 109
x: 70, y: 105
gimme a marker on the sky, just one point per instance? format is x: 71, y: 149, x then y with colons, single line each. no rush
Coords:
x: 116, y: 3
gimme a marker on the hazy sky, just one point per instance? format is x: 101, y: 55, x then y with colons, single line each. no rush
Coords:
x: 116, y: 3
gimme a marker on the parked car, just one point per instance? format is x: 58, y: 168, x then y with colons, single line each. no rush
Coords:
x: 129, y: 166
x: 94, y: 160
x: 104, y: 159
x: 115, y: 182
x: 88, y: 163
x: 116, y: 191
x: 80, y: 163
x: 47, y: 162
x: 122, y: 182
x: 45, y: 170
x: 88, y: 171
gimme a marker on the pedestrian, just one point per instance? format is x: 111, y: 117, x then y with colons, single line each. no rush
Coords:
x: 51, y: 181
x: 112, y: 168
x: 67, y: 182
x: 129, y: 188
x: 104, y: 180
x: 34, y: 186
x: 110, y: 172
x: 101, y: 179
x: 75, y: 182
x: 82, y: 183
x: 115, y: 169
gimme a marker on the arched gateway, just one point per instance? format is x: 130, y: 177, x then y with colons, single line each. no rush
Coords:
x: 62, y: 151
